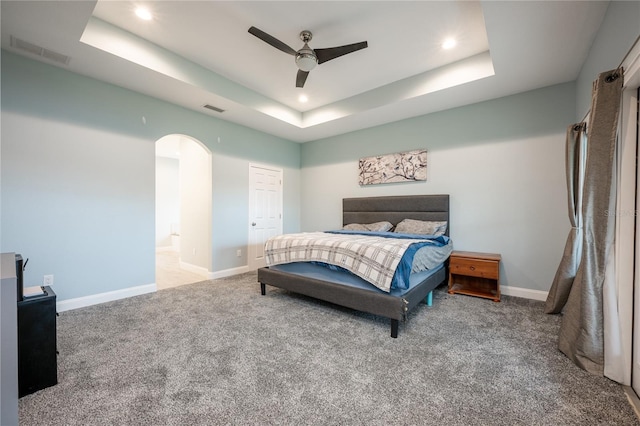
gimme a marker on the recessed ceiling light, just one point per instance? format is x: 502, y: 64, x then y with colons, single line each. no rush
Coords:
x: 303, y: 98
x: 143, y: 13
x: 449, y: 43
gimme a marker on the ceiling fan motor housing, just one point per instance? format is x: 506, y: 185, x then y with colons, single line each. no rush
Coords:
x: 306, y: 58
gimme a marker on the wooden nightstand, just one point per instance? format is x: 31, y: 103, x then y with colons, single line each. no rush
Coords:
x: 475, y: 274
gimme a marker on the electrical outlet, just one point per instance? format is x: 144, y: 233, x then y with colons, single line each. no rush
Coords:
x: 239, y: 253
x: 47, y: 280
x: 194, y: 251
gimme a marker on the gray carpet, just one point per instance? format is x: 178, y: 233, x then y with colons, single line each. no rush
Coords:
x: 217, y: 352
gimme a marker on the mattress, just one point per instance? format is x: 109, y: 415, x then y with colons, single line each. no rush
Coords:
x: 312, y: 270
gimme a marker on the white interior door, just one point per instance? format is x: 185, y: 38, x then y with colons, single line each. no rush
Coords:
x: 265, y: 210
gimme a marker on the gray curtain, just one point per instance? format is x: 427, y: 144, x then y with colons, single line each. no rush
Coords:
x: 562, y: 282
x: 581, y: 331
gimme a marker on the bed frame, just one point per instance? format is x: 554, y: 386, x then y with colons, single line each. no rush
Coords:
x: 369, y: 210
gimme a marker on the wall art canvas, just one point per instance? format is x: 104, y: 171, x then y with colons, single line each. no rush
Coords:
x: 410, y: 166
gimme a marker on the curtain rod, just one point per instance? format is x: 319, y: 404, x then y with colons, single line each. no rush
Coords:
x: 585, y: 116
x: 617, y: 69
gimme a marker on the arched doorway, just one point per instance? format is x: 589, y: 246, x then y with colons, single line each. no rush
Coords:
x: 183, y: 211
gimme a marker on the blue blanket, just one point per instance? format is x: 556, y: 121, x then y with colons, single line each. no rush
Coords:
x: 403, y: 271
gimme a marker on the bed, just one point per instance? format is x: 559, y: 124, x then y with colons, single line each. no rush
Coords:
x: 308, y: 281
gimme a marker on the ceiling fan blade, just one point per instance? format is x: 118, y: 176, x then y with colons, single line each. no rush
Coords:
x: 271, y: 40
x: 330, y: 53
x: 301, y: 78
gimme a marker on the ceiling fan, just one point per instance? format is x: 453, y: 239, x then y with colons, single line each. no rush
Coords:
x: 307, y: 58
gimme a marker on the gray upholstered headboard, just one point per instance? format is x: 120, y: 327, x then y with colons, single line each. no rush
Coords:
x: 395, y: 208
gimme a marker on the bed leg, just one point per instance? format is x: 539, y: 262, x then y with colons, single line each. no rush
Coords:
x: 394, y: 328
x: 263, y: 289
x: 430, y: 298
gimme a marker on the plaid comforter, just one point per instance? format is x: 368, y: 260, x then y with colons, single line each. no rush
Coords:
x: 372, y: 258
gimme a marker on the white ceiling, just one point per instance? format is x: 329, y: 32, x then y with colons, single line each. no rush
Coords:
x: 194, y: 53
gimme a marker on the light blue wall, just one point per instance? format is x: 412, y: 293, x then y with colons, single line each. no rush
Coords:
x: 618, y: 31
x: 77, y: 177
x: 524, y: 115
x: 501, y: 161
x: 77, y: 171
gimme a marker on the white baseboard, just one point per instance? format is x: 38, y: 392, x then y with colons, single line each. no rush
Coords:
x: 213, y: 275
x: 195, y: 269
x: 524, y: 293
x: 94, y: 299
x: 229, y: 272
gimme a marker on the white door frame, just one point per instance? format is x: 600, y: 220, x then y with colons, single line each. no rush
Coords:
x: 635, y: 367
x: 628, y: 275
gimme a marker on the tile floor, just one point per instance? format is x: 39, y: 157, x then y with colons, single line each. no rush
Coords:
x: 169, y: 274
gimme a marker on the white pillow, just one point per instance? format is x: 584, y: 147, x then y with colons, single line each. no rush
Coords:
x: 422, y: 227
x: 376, y: 227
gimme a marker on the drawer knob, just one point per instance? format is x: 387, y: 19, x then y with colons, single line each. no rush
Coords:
x: 473, y: 268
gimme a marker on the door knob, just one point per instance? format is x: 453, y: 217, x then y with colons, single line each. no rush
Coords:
x: 253, y: 224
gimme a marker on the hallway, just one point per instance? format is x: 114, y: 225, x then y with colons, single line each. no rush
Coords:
x: 169, y: 274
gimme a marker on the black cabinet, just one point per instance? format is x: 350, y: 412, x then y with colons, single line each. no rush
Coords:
x: 37, y: 356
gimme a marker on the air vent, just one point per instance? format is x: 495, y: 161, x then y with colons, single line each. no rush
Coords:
x: 212, y: 108
x: 34, y: 49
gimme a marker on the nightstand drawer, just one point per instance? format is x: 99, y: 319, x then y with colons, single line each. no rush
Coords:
x: 474, y: 267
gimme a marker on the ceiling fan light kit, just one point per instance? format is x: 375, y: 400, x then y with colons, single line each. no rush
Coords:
x: 307, y: 58
x: 306, y: 61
